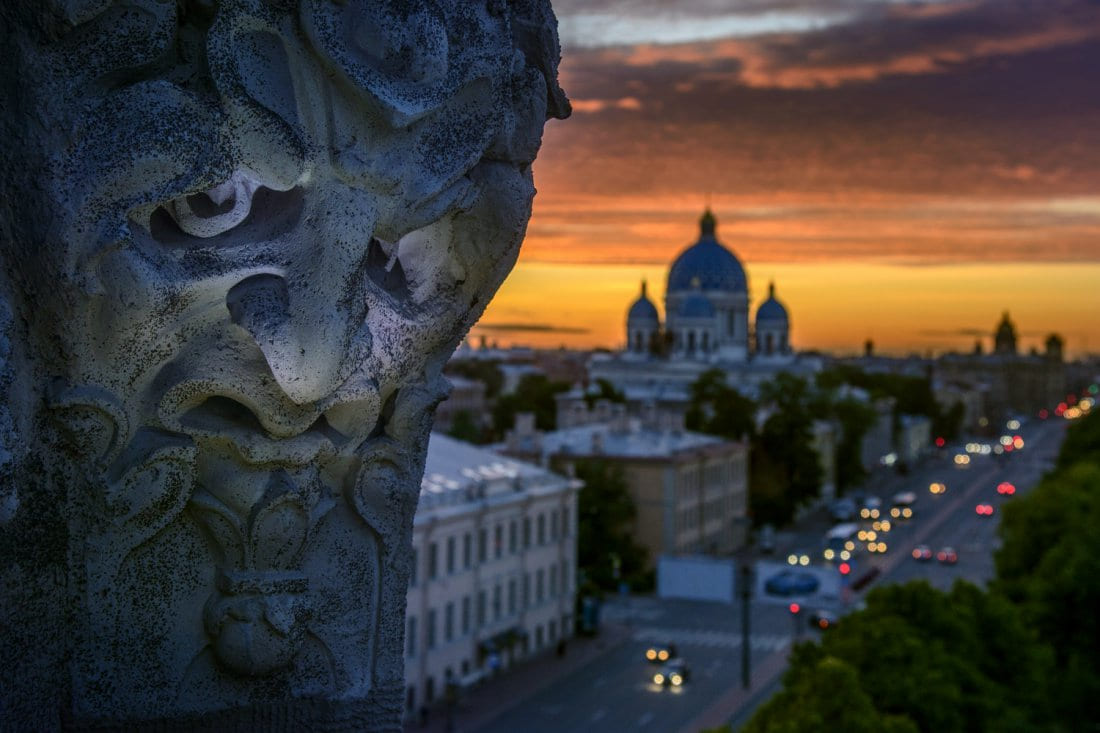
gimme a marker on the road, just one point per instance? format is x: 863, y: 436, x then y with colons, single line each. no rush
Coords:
x: 615, y: 692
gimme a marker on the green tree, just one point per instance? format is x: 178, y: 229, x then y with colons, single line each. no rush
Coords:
x: 787, y: 439
x: 855, y: 418
x: 718, y: 409
x: 605, y: 519
x: 485, y: 371
x: 534, y: 393
x: 464, y: 427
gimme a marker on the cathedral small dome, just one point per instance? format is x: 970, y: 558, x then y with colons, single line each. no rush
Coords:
x: 643, y: 309
x: 696, y: 305
x: 709, y: 263
x: 771, y: 310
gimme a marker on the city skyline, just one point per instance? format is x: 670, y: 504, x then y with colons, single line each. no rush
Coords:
x: 939, y: 157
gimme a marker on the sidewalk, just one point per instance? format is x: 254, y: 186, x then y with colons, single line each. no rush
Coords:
x: 483, y: 704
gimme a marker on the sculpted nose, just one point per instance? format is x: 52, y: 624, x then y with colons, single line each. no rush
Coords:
x: 306, y: 353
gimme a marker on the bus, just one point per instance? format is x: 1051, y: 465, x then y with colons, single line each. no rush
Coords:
x: 840, y: 542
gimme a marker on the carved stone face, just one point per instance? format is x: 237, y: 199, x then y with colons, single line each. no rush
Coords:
x: 253, y: 232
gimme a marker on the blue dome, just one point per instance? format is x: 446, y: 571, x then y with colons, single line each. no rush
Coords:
x: 771, y: 309
x: 707, y: 263
x: 696, y: 305
x: 643, y: 308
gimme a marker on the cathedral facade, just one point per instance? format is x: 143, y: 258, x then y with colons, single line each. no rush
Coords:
x: 707, y: 311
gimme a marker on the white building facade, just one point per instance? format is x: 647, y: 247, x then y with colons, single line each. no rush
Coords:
x: 495, y: 557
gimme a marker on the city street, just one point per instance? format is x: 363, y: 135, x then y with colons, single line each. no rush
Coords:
x: 616, y: 692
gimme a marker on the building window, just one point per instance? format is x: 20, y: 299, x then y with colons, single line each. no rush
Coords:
x: 512, y: 538
x: 480, y: 608
x: 526, y: 532
x: 540, y: 577
x: 496, y: 603
x: 467, y: 554
x: 526, y: 591
x: 412, y: 572
x: 564, y: 577
x: 429, y: 690
x: 449, y: 622
x: 410, y: 638
x: 542, y: 529
x: 483, y: 545
x: 431, y: 628
x: 553, y: 581
x: 553, y: 626
x: 511, y: 596
x: 433, y: 561
x: 465, y: 615
x: 410, y: 698
x: 566, y: 528
x: 450, y: 555
x: 498, y: 540
x: 554, y: 526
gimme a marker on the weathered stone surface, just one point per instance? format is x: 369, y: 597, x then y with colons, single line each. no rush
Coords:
x: 240, y: 239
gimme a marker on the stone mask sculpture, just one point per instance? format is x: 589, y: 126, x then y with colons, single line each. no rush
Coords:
x: 241, y: 238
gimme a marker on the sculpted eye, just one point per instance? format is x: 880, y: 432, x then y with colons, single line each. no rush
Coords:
x: 216, y: 210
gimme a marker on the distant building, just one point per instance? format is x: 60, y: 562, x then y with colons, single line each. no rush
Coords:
x: 467, y: 395
x: 690, y: 489
x: 706, y: 326
x: 1010, y: 382
x: 494, y: 558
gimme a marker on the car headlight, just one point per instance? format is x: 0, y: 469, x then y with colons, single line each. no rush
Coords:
x: 651, y: 654
x: 662, y: 655
x: 677, y: 679
x: 659, y: 678
x: 829, y: 554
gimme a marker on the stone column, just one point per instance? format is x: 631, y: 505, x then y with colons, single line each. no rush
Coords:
x: 240, y: 240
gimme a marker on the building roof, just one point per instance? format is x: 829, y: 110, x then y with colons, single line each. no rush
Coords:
x: 636, y: 441
x: 707, y: 264
x: 771, y: 310
x: 456, y: 472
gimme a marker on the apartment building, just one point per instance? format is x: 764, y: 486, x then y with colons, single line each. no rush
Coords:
x: 495, y: 546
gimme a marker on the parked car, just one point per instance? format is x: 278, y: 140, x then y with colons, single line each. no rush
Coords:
x: 673, y: 674
x: 791, y: 583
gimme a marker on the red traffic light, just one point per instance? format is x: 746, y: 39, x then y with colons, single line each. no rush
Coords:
x: 794, y: 608
x: 844, y: 568
x: 940, y: 442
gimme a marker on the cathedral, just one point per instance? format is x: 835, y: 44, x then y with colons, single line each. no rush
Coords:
x: 706, y: 326
x: 707, y: 311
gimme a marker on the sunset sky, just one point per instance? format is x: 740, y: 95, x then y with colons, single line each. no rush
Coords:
x: 904, y: 171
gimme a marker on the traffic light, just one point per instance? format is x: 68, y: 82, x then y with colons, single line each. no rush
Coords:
x: 844, y: 568
x: 794, y: 608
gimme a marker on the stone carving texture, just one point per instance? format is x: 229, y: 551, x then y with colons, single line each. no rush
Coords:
x: 240, y: 239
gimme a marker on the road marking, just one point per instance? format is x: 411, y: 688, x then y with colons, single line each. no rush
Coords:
x: 598, y: 715
x: 644, y: 720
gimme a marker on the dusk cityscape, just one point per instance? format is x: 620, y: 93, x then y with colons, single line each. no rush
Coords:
x: 550, y: 366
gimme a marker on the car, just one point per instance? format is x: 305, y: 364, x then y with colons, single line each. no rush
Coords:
x: 947, y: 556
x: 937, y: 487
x: 660, y: 653
x: 923, y: 553
x: 985, y: 510
x: 791, y: 583
x: 843, y: 510
x: 1006, y: 489
x: 822, y: 619
x: 872, y: 507
x: 674, y: 674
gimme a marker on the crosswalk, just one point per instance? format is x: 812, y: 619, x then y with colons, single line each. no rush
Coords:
x: 704, y: 637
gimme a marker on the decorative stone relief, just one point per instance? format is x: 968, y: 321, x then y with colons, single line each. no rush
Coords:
x: 240, y: 238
